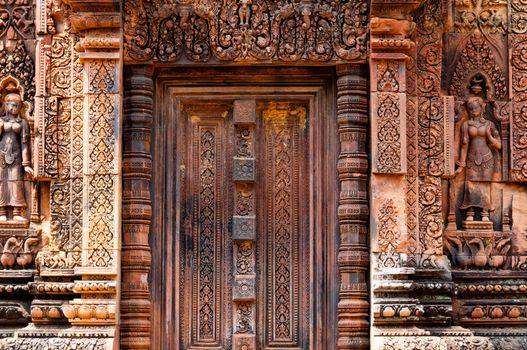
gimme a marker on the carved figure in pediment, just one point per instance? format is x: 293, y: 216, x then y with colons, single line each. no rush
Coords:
x: 480, y: 140
x: 14, y: 157
x: 244, y: 12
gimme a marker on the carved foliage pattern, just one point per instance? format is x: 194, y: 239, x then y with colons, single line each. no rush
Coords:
x: 518, y: 16
x: 244, y: 137
x: 245, y: 258
x: 207, y: 232
x: 519, y: 119
x: 388, y: 134
x: 429, y: 48
x: 56, y: 131
x: 236, y: 31
x: 283, y: 144
x: 411, y: 175
x: 431, y: 167
x: 17, y: 16
x: 63, y: 149
x: 389, y: 233
x: 519, y: 144
x: 244, y: 319
x: 102, y: 151
x: 283, y: 236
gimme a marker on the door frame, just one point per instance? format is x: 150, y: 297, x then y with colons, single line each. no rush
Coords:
x: 315, y: 84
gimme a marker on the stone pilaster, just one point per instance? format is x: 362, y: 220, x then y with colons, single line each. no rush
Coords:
x: 353, y: 210
x: 99, y: 46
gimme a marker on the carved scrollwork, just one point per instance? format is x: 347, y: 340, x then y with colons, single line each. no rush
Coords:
x: 519, y: 144
x: 519, y: 122
x: 17, y: 19
x: 246, y: 30
x: 429, y: 48
x: 519, y: 16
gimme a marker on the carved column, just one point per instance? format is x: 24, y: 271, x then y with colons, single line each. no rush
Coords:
x: 353, y: 210
x: 137, y: 168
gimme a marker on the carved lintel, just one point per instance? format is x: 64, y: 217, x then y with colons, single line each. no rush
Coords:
x: 246, y: 31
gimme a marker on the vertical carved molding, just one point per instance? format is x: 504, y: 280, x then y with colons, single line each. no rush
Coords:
x: 137, y: 168
x: 353, y: 209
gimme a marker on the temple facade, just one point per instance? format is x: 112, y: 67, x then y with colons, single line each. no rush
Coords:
x: 261, y: 174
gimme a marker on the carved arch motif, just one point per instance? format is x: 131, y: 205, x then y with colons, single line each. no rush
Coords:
x: 478, y: 57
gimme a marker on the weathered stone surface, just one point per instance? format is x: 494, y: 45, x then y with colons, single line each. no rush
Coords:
x: 200, y: 173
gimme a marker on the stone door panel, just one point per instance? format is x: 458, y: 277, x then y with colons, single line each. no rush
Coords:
x: 244, y: 222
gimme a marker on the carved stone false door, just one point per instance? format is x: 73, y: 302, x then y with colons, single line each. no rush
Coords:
x: 244, y: 266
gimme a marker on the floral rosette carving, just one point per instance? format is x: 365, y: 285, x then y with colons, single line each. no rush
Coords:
x: 518, y: 16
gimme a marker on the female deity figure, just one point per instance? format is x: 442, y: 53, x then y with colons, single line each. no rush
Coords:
x: 14, y: 158
x: 480, y: 140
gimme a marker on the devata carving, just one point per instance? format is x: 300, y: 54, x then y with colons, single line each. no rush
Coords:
x: 246, y: 30
x: 480, y: 141
x: 14, y: 158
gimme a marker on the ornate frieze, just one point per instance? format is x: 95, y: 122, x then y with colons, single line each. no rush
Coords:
x: 257, y: 30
